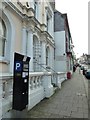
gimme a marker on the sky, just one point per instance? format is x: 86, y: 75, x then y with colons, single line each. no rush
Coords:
x: 77, y: 12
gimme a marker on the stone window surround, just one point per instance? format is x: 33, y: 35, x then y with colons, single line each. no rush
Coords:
x: 3, y: 37
x: 3, y: 57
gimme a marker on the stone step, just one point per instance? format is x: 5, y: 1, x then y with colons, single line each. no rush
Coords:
x: 55, y: 89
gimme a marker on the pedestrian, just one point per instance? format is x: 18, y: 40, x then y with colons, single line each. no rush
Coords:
x: 74, y: 68
x: 79, y: 70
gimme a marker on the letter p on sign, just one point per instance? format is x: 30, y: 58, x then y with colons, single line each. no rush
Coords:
x: 18, y: 66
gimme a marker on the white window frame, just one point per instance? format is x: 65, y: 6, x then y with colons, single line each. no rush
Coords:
x: 5, y: 59
x: 48, y: 20
x: 2, y: 57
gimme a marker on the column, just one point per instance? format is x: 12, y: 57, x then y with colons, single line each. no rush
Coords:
x: 48, y: 87
x: 30, y: 49
x: 39, y: 12
x: 32, y: 4
x: 24, y: 39
x: 52, y: 28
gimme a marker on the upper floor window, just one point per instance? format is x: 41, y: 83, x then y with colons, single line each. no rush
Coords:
x: 27, y: 4
x: 48, y: 23
x: 47, y: 56
x: 2, y: 37
x: 49, y: 20
x: 35, y: 8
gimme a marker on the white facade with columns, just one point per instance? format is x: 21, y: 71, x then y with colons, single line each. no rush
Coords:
x: 30, y: 48
x: 31, y: 35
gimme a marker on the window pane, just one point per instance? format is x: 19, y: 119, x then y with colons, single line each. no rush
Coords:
x: 2, y: 37
x: 47, y: 56
x: 2, y: 46
x: 2, y: 28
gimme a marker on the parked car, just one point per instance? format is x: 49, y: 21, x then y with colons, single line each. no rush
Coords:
x: 87, y: 74
x: 84, y: 70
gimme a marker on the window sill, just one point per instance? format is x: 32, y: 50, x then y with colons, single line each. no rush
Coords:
x: 4, y: 76
x: 3, y: 60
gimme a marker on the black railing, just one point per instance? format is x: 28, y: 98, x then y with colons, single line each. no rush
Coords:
x: 48, y: 68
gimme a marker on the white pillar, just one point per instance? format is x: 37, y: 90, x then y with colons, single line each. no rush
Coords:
x: 24, y: 39
x: 32, y: 4
x: 52, y: 28
x: 30, y: 49
x: 39, y: 12
x: 48, y: 87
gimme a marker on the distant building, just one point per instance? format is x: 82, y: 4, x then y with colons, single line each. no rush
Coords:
x: 63, y: 43
x: 88, y: 59
x: 85, y: 59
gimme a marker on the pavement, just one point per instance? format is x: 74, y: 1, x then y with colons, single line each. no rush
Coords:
x: 71, y: 101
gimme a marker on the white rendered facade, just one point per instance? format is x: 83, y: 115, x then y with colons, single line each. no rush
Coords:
x: 26, y: 35
x: 60, y: 52
x: 29, y: 31
x: 63, y: 44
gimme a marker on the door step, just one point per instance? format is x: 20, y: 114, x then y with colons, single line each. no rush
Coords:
x: 55, y: 89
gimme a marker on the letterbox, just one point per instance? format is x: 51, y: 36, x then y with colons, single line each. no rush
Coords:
x: 20, y: 81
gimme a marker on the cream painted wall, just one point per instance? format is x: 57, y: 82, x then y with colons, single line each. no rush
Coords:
x: 18, y: 32
x: 17, y: 38
x: 4, y: 68
x: 7, y: 65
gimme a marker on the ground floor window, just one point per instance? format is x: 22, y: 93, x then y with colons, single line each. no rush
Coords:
x: 47, y: 56
x: 2, y: 37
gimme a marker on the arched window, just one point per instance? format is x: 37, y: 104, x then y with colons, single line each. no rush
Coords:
x: 47, y: 56
x: 36, y: 54
x: 2, y: 37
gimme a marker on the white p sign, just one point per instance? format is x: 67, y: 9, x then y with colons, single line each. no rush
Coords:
x: 18, y: 66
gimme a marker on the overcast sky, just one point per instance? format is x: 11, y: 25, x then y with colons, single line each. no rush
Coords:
x: 77, y: 11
